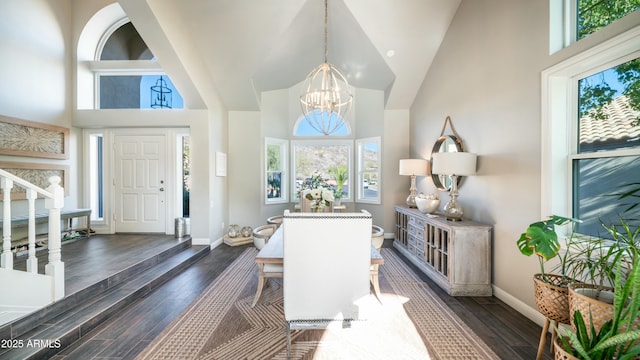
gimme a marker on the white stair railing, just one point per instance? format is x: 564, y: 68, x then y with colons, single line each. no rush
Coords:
x: 54, y: 201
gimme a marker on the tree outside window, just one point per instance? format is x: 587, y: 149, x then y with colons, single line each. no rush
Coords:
x: 593, y: 15
x: 606, y: 166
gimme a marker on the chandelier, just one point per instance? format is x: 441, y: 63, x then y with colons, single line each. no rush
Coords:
x: 328, y: 97
x: 161, y: 95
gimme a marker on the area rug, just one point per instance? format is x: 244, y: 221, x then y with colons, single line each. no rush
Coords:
x: 409, y: 321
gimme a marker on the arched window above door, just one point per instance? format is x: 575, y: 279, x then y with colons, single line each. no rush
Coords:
x: 116, y: 68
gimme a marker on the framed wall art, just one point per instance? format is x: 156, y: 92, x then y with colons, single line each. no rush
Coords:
x: 37, y: 174
x: 28, y: 138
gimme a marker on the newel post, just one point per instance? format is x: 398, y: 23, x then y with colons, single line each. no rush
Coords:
x: 6, y: 258
x: 55, y: 267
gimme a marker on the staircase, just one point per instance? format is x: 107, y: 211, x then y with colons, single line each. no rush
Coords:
x: 48, y: 331
x: 30, y: 289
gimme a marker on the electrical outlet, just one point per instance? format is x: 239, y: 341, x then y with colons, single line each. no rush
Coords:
x: 222, y: 225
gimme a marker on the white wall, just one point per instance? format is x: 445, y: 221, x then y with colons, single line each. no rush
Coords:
x: 244, y: 162
x: 487, y: 76
x: 34, y: 68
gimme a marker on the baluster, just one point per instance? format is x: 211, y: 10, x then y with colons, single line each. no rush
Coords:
x: 32, y: 261
x: 6, y: 258
x: 55, y: 267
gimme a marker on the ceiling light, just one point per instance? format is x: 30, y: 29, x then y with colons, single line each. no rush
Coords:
x: 327, y: 97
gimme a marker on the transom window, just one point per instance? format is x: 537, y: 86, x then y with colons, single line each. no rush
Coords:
x: 122, y: 84
x: 573, y: 20
x: 593, y: 15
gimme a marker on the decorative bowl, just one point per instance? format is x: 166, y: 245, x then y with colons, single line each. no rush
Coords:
x: 427, y: 206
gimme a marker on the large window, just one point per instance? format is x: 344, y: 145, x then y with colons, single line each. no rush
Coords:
x: 320, y: 158
x: 591, y: 135
x: 606, y: 160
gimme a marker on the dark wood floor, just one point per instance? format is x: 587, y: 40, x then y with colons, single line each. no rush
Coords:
x: 125, y: 335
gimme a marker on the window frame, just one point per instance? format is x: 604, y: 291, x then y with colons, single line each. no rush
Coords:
x: 284, y: 168
x: 559, y: 134
x: 360, y: 162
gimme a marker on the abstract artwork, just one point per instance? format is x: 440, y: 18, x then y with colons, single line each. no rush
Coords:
x: 37, y: 174
x: 28, y: 138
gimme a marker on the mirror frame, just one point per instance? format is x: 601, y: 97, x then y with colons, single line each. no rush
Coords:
x: 443, y: 182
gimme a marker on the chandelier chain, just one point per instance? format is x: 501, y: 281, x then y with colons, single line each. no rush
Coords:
x: 326, y: 31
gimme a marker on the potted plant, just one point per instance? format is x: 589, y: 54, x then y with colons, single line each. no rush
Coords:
x: 541, y: 239
x: 550, y: 290
x: 618, y: 337
x: 596, y: 262
x: 340, y: 175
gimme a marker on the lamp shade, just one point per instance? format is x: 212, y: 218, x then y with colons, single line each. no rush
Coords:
x: 413, y: 167
x: 454, y: 163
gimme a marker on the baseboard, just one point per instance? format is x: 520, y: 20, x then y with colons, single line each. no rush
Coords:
x: 389, y: 235
x: 526, y: 310
x: 200, y: 241
x: 216, y: 243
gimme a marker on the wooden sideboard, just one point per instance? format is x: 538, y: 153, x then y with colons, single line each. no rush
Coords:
x: 456, y: 255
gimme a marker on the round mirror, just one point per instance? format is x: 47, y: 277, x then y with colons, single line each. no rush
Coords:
x: 445, y: 143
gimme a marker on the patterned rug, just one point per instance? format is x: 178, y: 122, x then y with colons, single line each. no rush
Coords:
x: 409, y: 322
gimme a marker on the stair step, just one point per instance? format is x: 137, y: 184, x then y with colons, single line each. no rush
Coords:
x: 50, y: 330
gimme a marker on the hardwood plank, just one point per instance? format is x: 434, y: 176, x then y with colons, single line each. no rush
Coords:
x: 126, y: 334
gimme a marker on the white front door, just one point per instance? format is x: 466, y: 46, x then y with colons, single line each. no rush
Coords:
x: 140, y: 184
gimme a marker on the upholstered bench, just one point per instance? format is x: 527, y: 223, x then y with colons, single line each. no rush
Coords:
x: 65, y: 215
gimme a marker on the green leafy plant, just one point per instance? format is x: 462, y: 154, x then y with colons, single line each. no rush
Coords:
x: 619, y: 337
x: 541, y: 239
x: 340, y: 175
x: 595, y: 261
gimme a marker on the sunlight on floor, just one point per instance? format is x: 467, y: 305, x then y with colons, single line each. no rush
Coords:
x: 384, y: 332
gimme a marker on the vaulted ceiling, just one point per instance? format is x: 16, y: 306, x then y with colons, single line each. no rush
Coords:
x: 240, y: 48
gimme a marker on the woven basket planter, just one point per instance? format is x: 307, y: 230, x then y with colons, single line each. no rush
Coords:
x: 600, y: 310
x: 559, y: 353
x: 552, y: 298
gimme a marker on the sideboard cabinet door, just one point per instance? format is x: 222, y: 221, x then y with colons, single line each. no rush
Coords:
x: 456, y: 255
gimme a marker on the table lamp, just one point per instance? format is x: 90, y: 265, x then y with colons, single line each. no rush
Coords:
x: 454, y: 164
x: 413, y: 168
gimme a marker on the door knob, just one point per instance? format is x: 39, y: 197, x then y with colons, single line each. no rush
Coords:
x: 161, y: 189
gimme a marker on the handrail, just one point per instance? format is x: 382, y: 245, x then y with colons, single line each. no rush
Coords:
x: 54, y: 201
x: 25, y: 184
